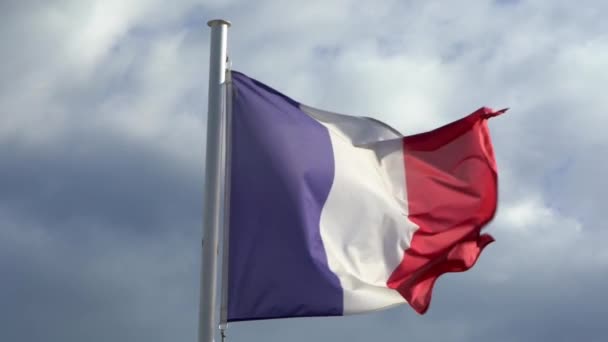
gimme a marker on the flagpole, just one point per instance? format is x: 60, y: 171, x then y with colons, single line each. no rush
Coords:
x: 213, y: 180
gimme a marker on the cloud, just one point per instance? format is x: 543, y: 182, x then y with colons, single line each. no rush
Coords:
x: 102, y: 126
x: 84, y: 281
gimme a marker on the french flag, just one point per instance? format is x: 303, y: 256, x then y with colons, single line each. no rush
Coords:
x: 333, y: 215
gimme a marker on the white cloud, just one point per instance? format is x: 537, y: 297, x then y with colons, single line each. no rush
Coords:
x: 532, y: 216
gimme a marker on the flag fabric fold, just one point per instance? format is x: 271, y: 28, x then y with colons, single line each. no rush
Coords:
x: 334, y: 214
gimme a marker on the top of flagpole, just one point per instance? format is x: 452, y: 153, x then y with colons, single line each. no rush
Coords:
x: 213, y: 22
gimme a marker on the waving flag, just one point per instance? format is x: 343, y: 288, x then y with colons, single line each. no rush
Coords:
x: 333, y: 214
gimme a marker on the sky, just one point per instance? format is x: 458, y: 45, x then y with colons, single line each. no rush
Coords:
x: 102, y: 133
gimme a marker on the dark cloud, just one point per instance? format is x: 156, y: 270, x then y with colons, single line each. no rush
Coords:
x: 102, y: 178
x: 95, y: 284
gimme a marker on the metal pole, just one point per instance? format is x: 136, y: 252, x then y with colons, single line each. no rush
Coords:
x: 213, y: 181
x: 227, y: 153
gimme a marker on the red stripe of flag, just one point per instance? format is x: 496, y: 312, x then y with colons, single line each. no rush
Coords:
x: 451, y: 180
